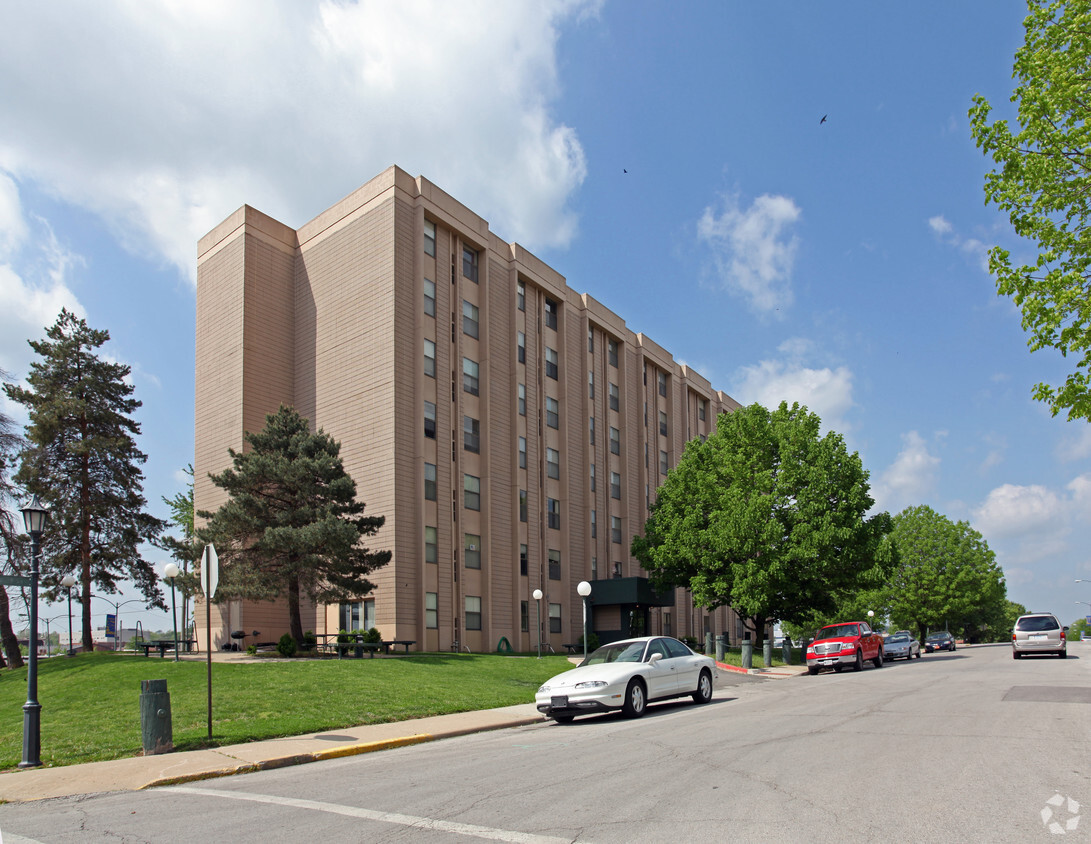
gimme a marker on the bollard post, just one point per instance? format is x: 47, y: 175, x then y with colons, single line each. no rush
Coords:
x: 720, y: 647
x: 747, y: 651
x: 155, y: 722
x: 786, y: 651
x: 708, y: 643
x: 767, y: 652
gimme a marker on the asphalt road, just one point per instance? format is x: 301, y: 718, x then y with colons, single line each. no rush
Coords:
x: 969, y: 746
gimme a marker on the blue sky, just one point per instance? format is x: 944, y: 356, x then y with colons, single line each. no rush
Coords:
x: 838, y: 264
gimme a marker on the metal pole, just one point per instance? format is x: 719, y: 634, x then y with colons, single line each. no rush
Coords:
x: 585, y: 628
x: 32, y: 710
x: 174, y: 619
x: 207, y: 573
x: 71, y: 650
x: 538, y: 604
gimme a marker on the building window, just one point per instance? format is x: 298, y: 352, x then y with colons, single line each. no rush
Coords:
x: 429, y: 238
x: 431, y: 610
x: 471, y: 434
x: 523, y: 560
x: 554, y: 618
x: 662, y: 423
x: 469, y: 319
x: 430, y: 481
x: 522, y: 505
x: 551, y: 314
x: 553, y: 508
x: 430, y: 358
x: 591, y: 340
x: 594, y: 568
x: 521, y: 346
x: 554, y: 564
x: 431, y: 544
x: 430, y: 420
x: 473, y: 551
x: 592, y: 430
x: 522, y: 399
x: 590, y: 385
x: 615, y: 397
x: 662, y: 462
x: 553, y: 463
x: 615, y: 485
x: 552, y: 360
x: 471, y: 487
x: 615, y: 529
x: 521, y: 295
x: 667, y: 624
x: 615, y: 441
x: 524, y: 616
x: 594, y: 524
x: 553, y: 412
x: 429, y: 297
x: 611, y: 352
x: 470, y: 371
x: 592, y: 477
x: 662, y: 378
x: 473, y: 612
x: 522, y: 452
x: 469, y: 263
x: 350, y: 616
x: 701, y: 410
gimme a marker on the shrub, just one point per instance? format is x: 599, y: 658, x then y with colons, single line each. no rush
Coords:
x: 252, y: 650
x: 373, y: 635
x: 286, y: 646
x: 592, y: 641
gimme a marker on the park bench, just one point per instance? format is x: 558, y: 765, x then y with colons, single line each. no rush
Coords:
x: 164, y: 645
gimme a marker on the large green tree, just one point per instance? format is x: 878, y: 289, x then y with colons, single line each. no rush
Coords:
x: 10, y: 527
x: 292, y: 524
x: 1042, y: 181
x: 766, y: 516
x: 82, y: 461
x: 947, y: 577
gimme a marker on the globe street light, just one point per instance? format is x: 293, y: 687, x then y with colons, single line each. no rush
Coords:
x: 68, y: 581
x: 537, y: 596
x: 584, y: 588
x: 170, y: 571
x: 35, y: 517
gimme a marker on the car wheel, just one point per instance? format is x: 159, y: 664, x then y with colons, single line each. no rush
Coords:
x: 704, y: 688
x: 859, y: 664
x: 563, y: 719
x: 635, y: 700
x: 812, y: 670
x: 1063, y: 654
x: 878, y: 661
x: 1015, y: 654
x: 839, y: 668
x: 918, y: 654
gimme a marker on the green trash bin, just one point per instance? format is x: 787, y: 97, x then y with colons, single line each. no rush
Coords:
x: 155, y: 725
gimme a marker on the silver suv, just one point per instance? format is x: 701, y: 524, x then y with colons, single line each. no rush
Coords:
x: 1038, y: 633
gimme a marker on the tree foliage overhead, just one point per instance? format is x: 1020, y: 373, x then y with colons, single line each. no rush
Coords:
x: 765, y: 516
x: 186, y: 548
x: 947, y: 577
x: 1043, y: 182
x: 81, y: 460
x: 292, y: 523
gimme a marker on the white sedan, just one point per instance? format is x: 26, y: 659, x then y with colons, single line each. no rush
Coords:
x: 627, y: 675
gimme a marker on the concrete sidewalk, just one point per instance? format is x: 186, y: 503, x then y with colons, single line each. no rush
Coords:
x: 134, y: 773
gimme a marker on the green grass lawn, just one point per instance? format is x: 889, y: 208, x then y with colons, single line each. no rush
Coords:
x: 91, y: 702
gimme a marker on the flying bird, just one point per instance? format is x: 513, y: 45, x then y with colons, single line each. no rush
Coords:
x: 623, y: 170
x: 823, y: 120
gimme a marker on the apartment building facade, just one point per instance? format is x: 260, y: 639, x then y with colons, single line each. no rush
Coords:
x: 511, y: 430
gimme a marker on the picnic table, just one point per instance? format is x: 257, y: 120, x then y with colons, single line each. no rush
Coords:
x: 164, y: 645
x: 342, y: 643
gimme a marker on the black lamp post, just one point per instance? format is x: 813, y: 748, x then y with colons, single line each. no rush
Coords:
x: 537, y: 595
x: 170, y: 571
x: 68, y: 581
x: 34, y: 519
x: 584, y: 590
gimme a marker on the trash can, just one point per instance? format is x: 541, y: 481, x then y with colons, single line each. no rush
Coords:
x: 155, y: 725
x: 721, y: 644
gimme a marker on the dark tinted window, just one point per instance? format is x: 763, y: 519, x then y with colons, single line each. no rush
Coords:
x: 1037, y: 622
x: 676, y: 648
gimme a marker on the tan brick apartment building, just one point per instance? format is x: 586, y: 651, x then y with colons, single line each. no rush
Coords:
x: 511, y: 430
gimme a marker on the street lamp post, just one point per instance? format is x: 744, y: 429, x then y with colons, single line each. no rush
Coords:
x: 537, y: 595
x: 584, y: 589
x: 170, y: 571
x: 68, y: 581
x: 34, y: 519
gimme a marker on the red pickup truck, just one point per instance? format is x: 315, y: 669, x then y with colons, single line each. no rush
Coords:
x: 847, y: 643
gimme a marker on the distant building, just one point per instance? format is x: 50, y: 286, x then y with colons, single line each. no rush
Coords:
x: 511, y: 430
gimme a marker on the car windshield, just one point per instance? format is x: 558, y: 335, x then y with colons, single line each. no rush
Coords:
x: 897, y: 637
x: 1037, y: 622
x: 837, y: 631
x: 617, y: 652
x: 937, y: 637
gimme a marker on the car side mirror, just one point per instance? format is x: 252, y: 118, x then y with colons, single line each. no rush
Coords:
x: 655, y: 658
x: 1065, y: 628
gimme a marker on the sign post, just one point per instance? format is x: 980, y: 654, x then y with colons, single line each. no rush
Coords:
x: 210, y: 576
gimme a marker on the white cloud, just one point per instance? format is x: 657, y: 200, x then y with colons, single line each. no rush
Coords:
x: 163, y: 118
x: 972, y: 248
x: 1076, y: 446
x: 753, y: 250
x: 826, y: 391
x: 1012, y: 510
x: 939, y: 225
x: 910, y: 478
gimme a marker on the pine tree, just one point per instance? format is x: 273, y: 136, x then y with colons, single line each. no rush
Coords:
x: 81, y: 460
x: 292, y: 523
x: 10, y: 443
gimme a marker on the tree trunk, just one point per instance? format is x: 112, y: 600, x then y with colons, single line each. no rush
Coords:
x: 7, y: 634
x: 295, y: 623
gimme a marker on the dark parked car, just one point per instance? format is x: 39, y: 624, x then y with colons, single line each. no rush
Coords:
x: 942, y: 641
